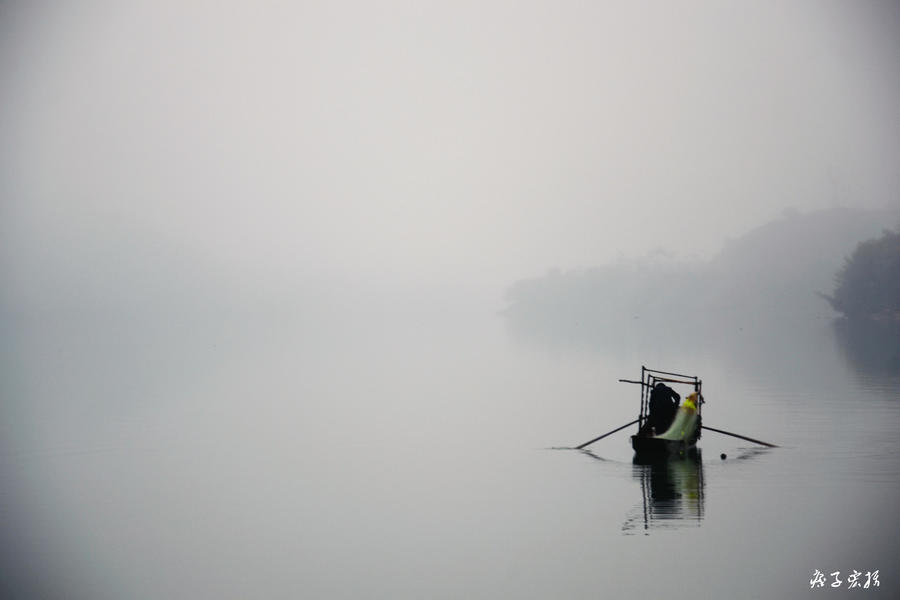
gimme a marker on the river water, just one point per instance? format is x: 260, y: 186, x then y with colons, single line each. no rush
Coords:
x: 374, y: 456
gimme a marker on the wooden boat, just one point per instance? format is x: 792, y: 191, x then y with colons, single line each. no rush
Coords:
x: 683, y: 432
x: 659, y: 407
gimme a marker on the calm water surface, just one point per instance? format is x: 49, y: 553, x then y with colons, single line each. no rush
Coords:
x: 384, y: 458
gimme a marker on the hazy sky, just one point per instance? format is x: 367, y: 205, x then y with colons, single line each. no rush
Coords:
x: 418, y: 142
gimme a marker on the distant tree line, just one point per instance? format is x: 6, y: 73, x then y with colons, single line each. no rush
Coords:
x: 868, y: 285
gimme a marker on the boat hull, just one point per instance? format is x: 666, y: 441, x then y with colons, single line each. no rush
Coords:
x: 654, y: 446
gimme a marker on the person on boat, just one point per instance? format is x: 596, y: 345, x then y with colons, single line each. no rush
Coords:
x: 663, y: 405
x: 690, y: 403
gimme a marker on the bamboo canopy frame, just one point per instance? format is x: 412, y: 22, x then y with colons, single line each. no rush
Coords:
x: 649, y: 379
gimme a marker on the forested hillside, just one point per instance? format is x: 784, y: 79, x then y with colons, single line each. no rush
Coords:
x: 775, y: 271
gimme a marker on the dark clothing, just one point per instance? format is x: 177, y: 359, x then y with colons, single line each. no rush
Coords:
x: 663, y: 406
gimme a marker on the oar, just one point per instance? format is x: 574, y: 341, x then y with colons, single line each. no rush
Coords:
x: 605, y: 434
x: 743, y: 437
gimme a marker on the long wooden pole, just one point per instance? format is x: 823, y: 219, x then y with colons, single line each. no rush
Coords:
x: 672, y: 374
x: 743, y: 437
x: 605, y: 434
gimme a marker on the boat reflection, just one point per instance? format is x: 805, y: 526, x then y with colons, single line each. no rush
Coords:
x: 672, y: 493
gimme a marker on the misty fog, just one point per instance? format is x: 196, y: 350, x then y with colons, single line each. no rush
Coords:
x: 777, y: 271
x: 296, y: 295
x: 271, y: 149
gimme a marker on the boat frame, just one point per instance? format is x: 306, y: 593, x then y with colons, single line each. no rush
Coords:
x: 652, y: 446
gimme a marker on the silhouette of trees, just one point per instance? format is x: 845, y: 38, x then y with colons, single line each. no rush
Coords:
x: 868, y: 285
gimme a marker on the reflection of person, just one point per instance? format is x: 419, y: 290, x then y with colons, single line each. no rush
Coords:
x: 663, y: 404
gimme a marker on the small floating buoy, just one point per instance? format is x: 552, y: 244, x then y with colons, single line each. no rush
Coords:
x: 722, y: 456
